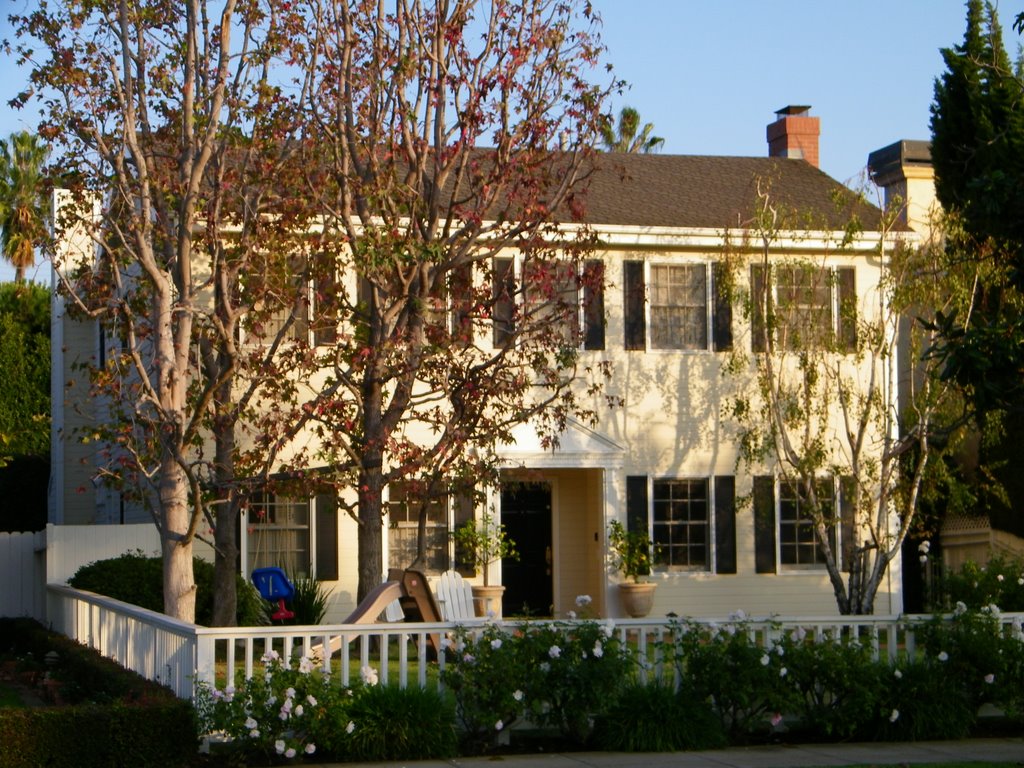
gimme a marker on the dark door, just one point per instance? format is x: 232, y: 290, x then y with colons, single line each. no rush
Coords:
x: 526, y: 515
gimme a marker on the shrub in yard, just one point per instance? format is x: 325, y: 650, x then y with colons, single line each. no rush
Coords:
x: 744, y: 683
x: 917, y: 703
x: 655, y: 718
x: 486, y: 675
x: 579, y: 670
x: 977, y: 656
x: 309, y: 603
x: 999, y: 582
x: 390, y: 723
x: 836, y: 681
x: 137, y: 579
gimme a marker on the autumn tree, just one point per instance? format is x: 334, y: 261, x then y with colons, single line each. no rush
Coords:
x: 168, y: 135
x: 847, y: 403
x: 321, y: 237
x: 447, y: 153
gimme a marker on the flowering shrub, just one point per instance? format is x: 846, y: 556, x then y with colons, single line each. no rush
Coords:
x: 656, y: 718
x: 1000, y: 582
x: 836, y: 681
x: 562, y: 674
x: 279, y: 713
x: 744, y: 683
x: 916, y: 702
x: 977, y: 657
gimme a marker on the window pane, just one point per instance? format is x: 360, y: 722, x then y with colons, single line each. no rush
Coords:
x: 798, y: 540
x: 679, y: 315
x: 804, y: 311
x: 278, y: 534
x: 403, y: 510
x: 552, y: 298
x: 680, y: 526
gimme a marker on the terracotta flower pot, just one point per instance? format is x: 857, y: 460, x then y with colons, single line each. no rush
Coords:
x: 488, y: 599
x: 637, y: 599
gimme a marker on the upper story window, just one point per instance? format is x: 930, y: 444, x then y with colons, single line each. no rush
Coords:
x: 803, y: 305
x: 676, y: 306
x: 548, y: 295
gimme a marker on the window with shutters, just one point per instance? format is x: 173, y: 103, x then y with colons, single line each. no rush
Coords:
x: 681, y: 524
x: 691, y: 521
x: 278, y: 534
x: 676, y: 307
x: 809, y: 306
x: 403, y: 510
x: 799, y: 546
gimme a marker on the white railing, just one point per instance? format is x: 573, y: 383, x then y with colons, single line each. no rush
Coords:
x: 183, y: 656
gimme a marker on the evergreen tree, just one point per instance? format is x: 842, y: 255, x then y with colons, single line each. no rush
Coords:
x: 628, y: 136
x: 22, y: 200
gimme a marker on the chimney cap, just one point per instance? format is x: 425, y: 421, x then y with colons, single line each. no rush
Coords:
x: 793, y: 110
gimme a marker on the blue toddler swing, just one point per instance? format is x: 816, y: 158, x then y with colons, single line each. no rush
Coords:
x: 273, y: 585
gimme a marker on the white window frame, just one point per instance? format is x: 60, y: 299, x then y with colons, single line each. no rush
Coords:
x: 836, y: 543
x: 449, y: 513
x: 649, y: 267
x: 831, y: 274
x: 710, y: 565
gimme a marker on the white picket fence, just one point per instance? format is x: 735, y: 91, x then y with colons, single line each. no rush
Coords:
x: 184, y: 656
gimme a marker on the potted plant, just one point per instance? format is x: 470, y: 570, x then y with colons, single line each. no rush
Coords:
x: 630, y: 553
x: 483, y: 542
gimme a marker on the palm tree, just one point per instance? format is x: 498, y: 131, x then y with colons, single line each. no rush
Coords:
x: 626, y: 139
x: 21, y: 200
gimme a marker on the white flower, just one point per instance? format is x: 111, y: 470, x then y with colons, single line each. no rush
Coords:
x: 582, y: 601
x: 299, y: 710
x: 279, y: 746
x: 287, y: 706
x: 496, y: 643
x: 960, y: 609
x: 765, y: 661
x: 229, y: 694
x: 608, y: 628
x: 499, y: 725
x: 894, y: 716
x: 943, y: 656
x: 598, y: 649
x: 999, y: 577
x: 924, y: 546
x: 460, y: 646
x: 310, y: 700
x: 1020, y: 581
x: 271, y: 701
x: 571, y: 615
x: 993, y: 609
x: 305, y: 665
x: 783, y: 672
x: 469, y: 658
x: 289, y: 753
x: 350, y: 727
x: 990, y: 678
x: 310, y: 749
x: 923, y: 559
x: 517, y: 695
x: 290, y: 693
x: 217, y: 694
x: 780, y: 650
x: 740, y: 615
x: 544, y: 666
x: 268, y: 657
x: 254, y: 733
x: 250, y: 723
x: 368, y: 675
x: 554, y: 651
x: 283, y: 715
x: 799, y: 634
x: 446, y: 642
x: 899, y: 675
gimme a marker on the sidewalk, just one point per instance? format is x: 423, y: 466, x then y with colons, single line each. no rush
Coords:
x: 879, y: 753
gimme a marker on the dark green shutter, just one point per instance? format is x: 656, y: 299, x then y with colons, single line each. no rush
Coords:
x: 633, y: 304
x: 503, y: 313
x: 764, y: 524
x: 721, y: 309
x: 464, y: 515
x: 758, y: 306
x: 593, y: 305
x: 847, y: 288
x: 326, y: 565
x: 725, y: 524
x: 847, y: 514
x: 636, y: 503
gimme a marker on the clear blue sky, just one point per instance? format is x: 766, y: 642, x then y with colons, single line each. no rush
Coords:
x: 710, y: 74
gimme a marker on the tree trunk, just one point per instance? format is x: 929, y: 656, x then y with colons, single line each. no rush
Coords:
x: 179, y: 583
x: 371, y: 524
x: 226, y: 517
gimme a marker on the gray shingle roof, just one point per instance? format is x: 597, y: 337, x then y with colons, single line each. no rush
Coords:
x: 716, y: 192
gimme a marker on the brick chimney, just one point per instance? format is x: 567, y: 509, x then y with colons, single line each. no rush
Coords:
x: 795, y: 135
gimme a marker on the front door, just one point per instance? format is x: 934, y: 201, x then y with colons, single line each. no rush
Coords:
x: 526, y: 515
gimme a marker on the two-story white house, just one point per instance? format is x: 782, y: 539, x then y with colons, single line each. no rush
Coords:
x: 678, y: 251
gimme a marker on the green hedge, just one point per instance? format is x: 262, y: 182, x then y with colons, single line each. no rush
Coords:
x: 137, y: 579
x: 109, y: 716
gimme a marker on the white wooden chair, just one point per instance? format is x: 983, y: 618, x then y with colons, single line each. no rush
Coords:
x: 454, y: 597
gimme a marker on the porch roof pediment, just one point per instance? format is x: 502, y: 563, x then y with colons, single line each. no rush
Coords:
x: 578, y: 446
